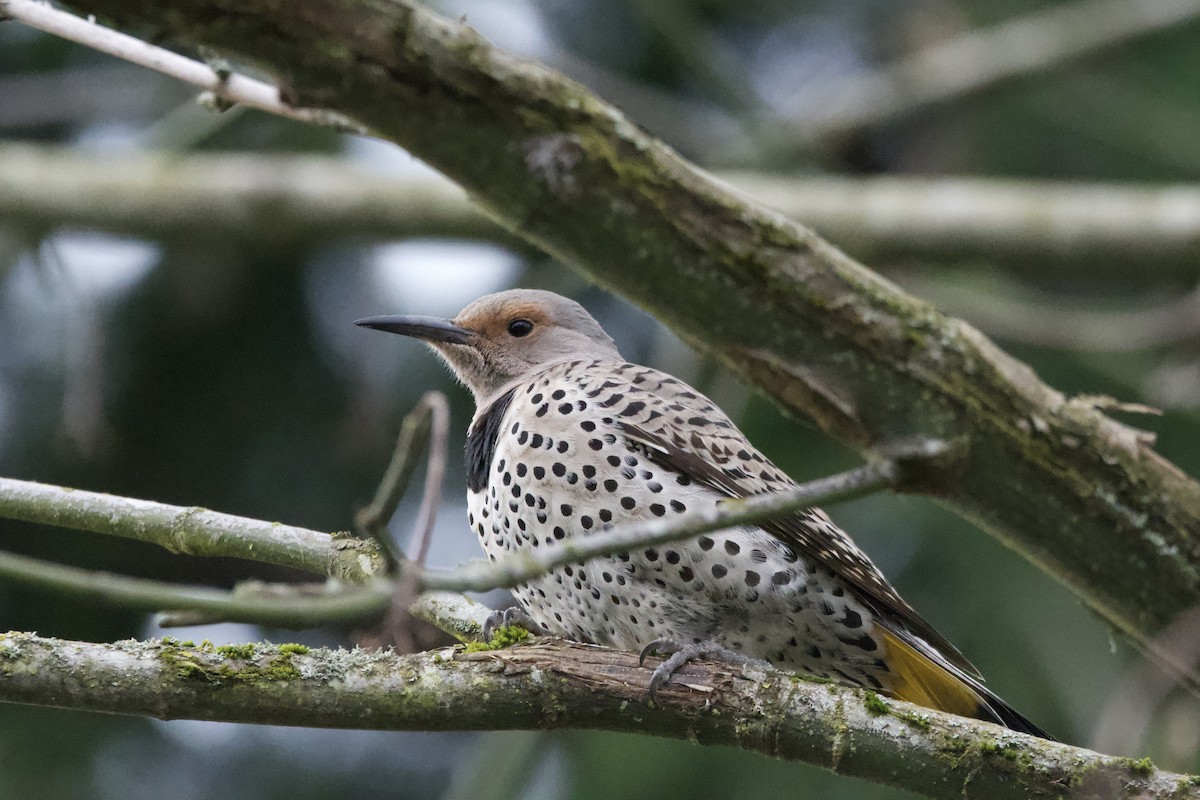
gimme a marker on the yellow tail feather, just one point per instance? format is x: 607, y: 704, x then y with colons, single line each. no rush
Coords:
x: 920, y: 680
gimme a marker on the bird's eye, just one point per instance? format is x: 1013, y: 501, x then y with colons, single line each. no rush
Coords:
x: 520, y: 327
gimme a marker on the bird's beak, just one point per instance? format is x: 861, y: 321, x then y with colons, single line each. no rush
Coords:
x: 430, y: 329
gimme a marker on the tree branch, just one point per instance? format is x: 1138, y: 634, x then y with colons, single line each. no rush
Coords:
x: 191, y: 531
x: 283, y: 605
x: 554, y: 684
x: 979, y: 59
x: 308, y: 198
x: 1083, y: 496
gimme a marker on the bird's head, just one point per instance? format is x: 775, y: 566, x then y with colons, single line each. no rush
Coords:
x: 503, y: 337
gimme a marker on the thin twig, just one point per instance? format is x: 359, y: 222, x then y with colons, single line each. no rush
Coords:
x: 228, y: 87
x: 286, y: 606
x: 435, y: 474
x: 516, y: 568
x: 430, y: 415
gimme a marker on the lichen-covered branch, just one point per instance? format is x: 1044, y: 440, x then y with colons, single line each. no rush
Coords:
x: 554, y: 684
x: 1083, y: 496
x: 191, y: 531
x: 312, y: 197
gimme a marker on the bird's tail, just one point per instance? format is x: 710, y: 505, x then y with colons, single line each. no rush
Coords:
x: 921, y: 679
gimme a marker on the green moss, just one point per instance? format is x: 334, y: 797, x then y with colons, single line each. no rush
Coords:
x: 242, y: 651
x: 875, y: 704
x: 1141, y: 766
x: 501, y: 638
x: 989, y: 747
x: 919, y: 721
x: 211, y: 664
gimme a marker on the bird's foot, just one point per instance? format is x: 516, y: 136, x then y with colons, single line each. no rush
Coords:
x: 680, y: 654
x: 513, y: 615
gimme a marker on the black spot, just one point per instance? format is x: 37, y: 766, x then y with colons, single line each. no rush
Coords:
x: 652, y: 554
x: 719, y: 571
x: 631, y: 461
x: 826, y: 609
x: 672, y: 557
x: 612, y: 400
x: 605, y: 515
x: 863, y: 642
x: 586, y: 522
x: 814, y: 651
x: 611, y: 485
x: 758, y: 556
x: 521, y: 470
x: 686, y: 574
x: 732, y: 547
x: 530, y: 500
x: 520, y: 523
x: 838, y: 592
x: 705, y: 542
x: 541, y: 517
x: 699, y: 422
x: 589, y: 485
x: 536, y: 441
x: 539, y: 472
x: 541, y: 412
x: 588, y: 425
x: 537, y: 398
x: 633, y: 408
x: 516, y: 490
x: 595, y: 444
x: 654, y: 486
x: 559, y: 394
x: 581, y: 404
x: 607, y: 576
x: 507, y: 479
x: 628, y: 503
x: 565, y: 408
x: 744, y: 455
x: 679, y: 508
x: 628, y: 473
x: 682, y: 480
x: 565, y: 510
x: 852, y: 619
x: 572, y: 478
x: 559, y: 469
x: 657, y: 509
x: 614, y: 461
x: 589, y: 471
x: 559, y: 533
x: 562, y: 446
x: 752, y: 578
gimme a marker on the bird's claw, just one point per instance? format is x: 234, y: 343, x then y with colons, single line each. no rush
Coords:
x: 513, y: 615
x: 680, y: 654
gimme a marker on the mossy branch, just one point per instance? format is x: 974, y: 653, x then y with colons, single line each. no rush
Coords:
x: 554, y: 684
x: 1084, y: 497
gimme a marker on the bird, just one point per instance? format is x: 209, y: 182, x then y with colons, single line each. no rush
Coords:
x: 569, y: 439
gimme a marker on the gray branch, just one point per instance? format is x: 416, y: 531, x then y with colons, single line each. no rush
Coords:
x: 192, y: 531
x: 309, y: 198
x: 554, y: 684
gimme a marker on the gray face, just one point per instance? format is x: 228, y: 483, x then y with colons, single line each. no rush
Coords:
x: 501, y: 337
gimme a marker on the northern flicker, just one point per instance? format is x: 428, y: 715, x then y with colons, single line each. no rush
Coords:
x: 569, y: 439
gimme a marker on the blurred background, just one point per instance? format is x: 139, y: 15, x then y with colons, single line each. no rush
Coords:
x: 209, y: 358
